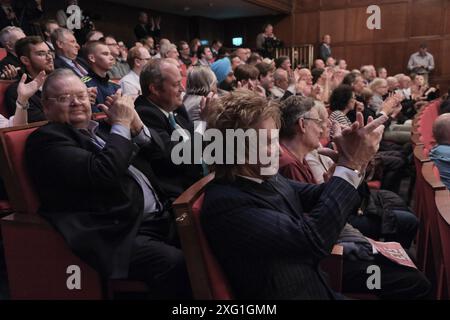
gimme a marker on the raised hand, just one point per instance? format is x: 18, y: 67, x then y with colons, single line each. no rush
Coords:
x: 205, y: 105
x: 119, y: 109
x: 358, y: 144
x: 92, y: 91
x: 26, y: 90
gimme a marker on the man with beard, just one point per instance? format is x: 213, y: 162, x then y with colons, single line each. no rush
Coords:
x: 35, y: 56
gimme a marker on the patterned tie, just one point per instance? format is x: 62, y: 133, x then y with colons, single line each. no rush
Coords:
x: 81, y: 70
x: 172, y: 121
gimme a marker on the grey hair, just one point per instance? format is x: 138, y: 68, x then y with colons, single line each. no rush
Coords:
x: 5, y: 34
x: 55, y: 76
x: 58, y: 35
x: 200, y: 79
x: 292, y: 109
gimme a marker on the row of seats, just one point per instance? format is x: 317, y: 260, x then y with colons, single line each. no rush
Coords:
x: 432, y: 205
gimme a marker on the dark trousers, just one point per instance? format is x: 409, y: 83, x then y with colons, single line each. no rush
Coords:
x: 397, y: 282
x: 157, y: 260
x: 393, y: 170
x: 370, y: 226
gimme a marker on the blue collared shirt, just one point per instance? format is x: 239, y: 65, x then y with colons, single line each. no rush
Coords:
x: 440, y: 155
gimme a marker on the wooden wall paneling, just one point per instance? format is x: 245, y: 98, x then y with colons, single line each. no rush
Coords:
x: 445, y: 62
x: 339, y: 52
x: 332, y: 22
x: 391, y: 56
x: 306, y: 5
x: 306, y: 28
x: 426, y: 17
x: 284, y: 30
x: 332, y: 4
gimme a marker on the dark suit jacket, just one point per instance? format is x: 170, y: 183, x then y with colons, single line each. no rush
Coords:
x: 35, y: 111
x: 324, y: 52
x: 269, y: 248
x: 174, y: 179
x: 10, y: 59
x: 61, y: 64
x: 87, y: 193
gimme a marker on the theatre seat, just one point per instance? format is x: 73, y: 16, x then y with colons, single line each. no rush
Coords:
x: 208, y: 281
x: 37, y: 257
x: 3, y: 53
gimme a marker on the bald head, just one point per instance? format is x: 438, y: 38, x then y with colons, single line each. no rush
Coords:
x: 441, y: 129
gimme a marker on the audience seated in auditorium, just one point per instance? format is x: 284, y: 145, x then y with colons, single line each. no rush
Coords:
x: 36, y: 58
x: 302, y: 127
x: 120, y: 67
x: 185, y: 53
x: 66, y: 52
x: 160, y: 108
x: 440, y: 154
x: 201, y: 82
x: 216, y: 45
x: 319, y: 64
x: 235, y: 61
x: 138, y: 57
x: 104, y: 199
x: 100, y: 62
x: 284, y: 63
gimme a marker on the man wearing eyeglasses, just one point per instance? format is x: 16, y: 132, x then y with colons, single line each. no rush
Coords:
x: 35, y: 57
x: 137, y: 59
x: 97, y: 188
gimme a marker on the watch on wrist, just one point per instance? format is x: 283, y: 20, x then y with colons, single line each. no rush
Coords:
x: 22, y: 106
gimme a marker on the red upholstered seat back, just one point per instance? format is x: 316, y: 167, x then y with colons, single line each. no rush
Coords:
x: 14, y: 143
x: 4, y: 84
x: 3, y: 53
x: 219, y: 285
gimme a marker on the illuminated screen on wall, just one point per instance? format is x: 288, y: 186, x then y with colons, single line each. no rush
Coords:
x: 204, y: 42
x: 237, y: 41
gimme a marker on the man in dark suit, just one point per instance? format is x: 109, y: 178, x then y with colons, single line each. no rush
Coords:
x: 255, y: 219
x: 66, y: 51
x: 143, y: 29
x: 160, y: 107
x: 325, y: 48
x: 35, y: 56
x: 97, y: 188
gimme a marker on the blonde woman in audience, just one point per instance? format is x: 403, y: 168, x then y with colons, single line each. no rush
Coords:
x: 201, y: 82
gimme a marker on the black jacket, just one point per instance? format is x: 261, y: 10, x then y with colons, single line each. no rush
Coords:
x: 87, y: 193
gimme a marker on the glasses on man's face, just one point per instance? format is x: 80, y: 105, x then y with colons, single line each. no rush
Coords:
x: 69, y: 98
x: 43, y: 54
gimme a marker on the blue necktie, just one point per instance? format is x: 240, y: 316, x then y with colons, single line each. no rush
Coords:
x: 172, y: 121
